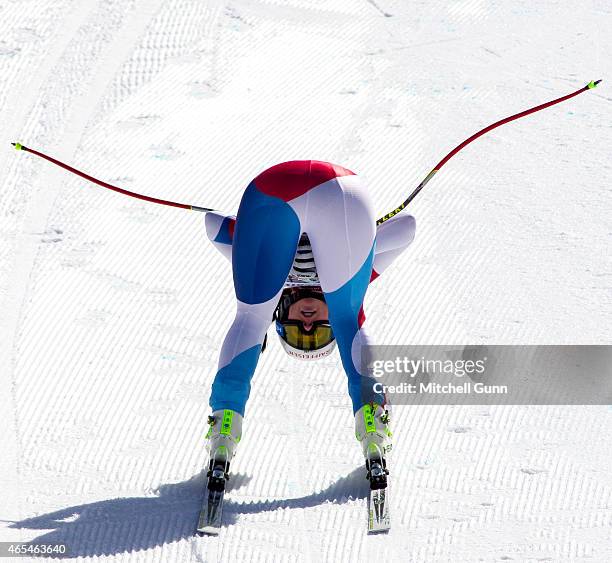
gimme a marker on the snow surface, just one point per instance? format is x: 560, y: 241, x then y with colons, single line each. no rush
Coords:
x: 112, y: 310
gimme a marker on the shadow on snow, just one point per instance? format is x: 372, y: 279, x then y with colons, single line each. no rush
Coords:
x: 137, y: 523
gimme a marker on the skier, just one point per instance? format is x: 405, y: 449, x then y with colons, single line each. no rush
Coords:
x: 304, y: 246
x: 305, y: 249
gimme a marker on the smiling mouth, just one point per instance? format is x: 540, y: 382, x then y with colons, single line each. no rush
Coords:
x: 307, y: 313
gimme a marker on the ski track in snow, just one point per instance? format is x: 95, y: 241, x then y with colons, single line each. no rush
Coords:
x: 114, y: 310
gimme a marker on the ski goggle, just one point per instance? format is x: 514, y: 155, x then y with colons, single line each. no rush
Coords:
x: 294, y: 334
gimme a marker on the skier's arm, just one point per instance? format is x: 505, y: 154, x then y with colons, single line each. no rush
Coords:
x: 392, y: 238
x: 220, y: 231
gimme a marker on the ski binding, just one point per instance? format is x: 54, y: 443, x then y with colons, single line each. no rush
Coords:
x: 379, y: 519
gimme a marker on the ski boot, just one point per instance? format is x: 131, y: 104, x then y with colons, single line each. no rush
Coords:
x: 225, y: 430
x: 224, y: 433
x: 372, y: 431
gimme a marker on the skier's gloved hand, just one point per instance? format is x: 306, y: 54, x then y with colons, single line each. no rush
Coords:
x: 224, y: 433
x: 372, y: 430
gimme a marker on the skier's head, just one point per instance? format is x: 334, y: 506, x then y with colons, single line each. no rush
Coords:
x: 302, y: 323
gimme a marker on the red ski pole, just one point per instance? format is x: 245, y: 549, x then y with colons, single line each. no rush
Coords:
x: 452, y: 153
x: 21, y: 147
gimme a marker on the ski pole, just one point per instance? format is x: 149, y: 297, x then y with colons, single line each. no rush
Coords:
x: 452, y: 153
x: 21, y: 147
x: 429, y: 176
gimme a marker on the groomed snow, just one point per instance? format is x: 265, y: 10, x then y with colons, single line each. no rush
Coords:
x: 112, y: 310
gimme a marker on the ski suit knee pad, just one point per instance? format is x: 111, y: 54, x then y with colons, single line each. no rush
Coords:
x: 224, y: 433
x: 372, y: 430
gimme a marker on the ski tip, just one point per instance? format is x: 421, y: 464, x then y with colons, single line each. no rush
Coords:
x: 208, y: 531
x: 379, y: 531
x: 593, y: 84
x: 18, y: 146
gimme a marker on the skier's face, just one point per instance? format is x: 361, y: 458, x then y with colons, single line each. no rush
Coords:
x: 308, y: 310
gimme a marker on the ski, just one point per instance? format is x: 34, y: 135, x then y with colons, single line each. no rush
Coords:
x: 211, y: 513
x: 379, y: 519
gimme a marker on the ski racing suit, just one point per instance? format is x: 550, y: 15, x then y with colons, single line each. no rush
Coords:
x: 332, y: 206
